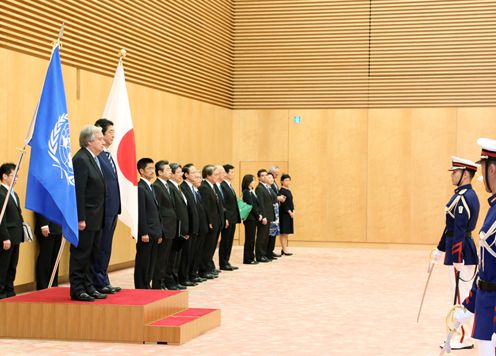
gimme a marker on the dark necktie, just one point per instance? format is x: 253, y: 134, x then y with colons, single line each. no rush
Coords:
x: 109, y: 157
x: 220, y: 192
x: 198, y: 197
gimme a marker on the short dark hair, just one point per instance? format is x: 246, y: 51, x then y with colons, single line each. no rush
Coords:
x: 260, y: 171
x: 208, y: 170
x: 143, y: 162
x: 471, y: 173
x: 159, y: 166
x: 228, y: 167
x: 104, y: 124
x: 186, y: 168
x: 174, y: 167
x: 285, y: 176
x: 247, y: 179
x: 270, y: 174
x: 6, y: 168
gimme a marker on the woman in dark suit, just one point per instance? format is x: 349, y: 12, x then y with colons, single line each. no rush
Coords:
x: 249, y: 197
x: 286, y: 214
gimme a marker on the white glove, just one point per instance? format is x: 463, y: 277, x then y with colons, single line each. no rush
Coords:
x: 462, y: 315
x: 436, y: 255
x: 458, y: 266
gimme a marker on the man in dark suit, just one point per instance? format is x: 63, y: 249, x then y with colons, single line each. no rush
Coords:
x: 274, y: 171
x: 181, y: 205
x: 189, y: 248
x: 202, y: 232
x: 149, y: 226
x: 112, y: 210
x: 90, y: 199
x: 10, y: 231
x: 49, y: 235
x: 232, y: 216
x: 215, y: 218
x: 169, y: 221
x: 267, y: 209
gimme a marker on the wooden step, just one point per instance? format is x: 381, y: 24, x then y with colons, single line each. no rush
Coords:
x: 182, y: 326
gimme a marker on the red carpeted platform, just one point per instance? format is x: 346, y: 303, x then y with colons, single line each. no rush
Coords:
x: 130, y: 315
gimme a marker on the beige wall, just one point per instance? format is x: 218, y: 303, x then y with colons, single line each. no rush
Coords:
x: 374, y: 176
x: 166, y: 126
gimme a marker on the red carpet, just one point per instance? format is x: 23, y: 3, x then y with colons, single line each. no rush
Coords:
x: 124, y: 297
x: 194, y: 312
x: 173, y: 321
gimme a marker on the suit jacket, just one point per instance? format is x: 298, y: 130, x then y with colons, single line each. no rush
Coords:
x: 11, y: 225
x: 212, y: 205
x: 231, y: 204
x: 41, y: 220
x: 250, y: 198
x: 203, y: 223
x: 90, y: 190
x: 112, y: 192
x: 181, y: 210
x: 193, y: 215
x: 265, y: 201
x: 166, y: 209
x: 149, y: 222
x: 223, y: 207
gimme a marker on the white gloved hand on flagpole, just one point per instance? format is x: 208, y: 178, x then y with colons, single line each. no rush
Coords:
x: 462, y: 315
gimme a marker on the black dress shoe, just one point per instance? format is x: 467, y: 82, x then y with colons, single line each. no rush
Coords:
x: 180, y: 286
x: 251, y: 263
x: 263, y: 259
x: 106, y: 290
x: 198, y: 279
x: 97, y: 295
x: 10, y: 294
x: 189, y: 284
x: 116, y: 289
x: 83, y: 297
x: 233, y: 267
x: 207, y: 276
x: 3, y: 295
x: 227, y: 268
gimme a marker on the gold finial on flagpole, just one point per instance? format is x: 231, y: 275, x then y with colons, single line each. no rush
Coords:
x: 122, y: 54
x: 61, y: 34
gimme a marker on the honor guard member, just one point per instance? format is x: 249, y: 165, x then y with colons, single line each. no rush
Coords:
x: 456, y: 242
x: 482, y: 297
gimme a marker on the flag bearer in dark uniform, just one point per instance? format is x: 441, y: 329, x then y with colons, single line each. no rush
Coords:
x: 482, y: 297
x: 462, y: 211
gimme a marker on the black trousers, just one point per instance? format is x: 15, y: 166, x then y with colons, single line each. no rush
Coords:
x: 271, y: 245
x: 8, y: 267
x: 80, y: 262
x: 49, y: 249
x: 262, y: 240
x: 102, y: 259
x: 225, y: 246
x: 196, y: 259
x: 186, y: 258
x: 146, y: 256
x: 163, y: 255
x: 207, y: 263
x: 172, y: 269
x: 250, y: 231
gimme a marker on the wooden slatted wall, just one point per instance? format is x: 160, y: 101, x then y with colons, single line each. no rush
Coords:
x: 179, y: 46
x: 373, y: 53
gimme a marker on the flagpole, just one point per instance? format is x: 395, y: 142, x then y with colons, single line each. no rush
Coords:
x: 26, y: 141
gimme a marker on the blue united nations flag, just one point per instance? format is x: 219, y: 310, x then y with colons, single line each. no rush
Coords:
x: 50, y: 189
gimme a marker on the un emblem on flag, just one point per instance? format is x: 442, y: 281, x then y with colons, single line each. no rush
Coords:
x: 59, y: 148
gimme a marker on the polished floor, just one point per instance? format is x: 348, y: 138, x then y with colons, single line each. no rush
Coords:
x: 320, y: 301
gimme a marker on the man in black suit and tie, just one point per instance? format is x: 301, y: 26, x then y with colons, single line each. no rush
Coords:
x: 215, y: 218
x: 169, y: 221
x: 150, y: 231
x: 10, y: 231
x: 203, y: 230
x: 112, y: 210
x: 49, y: 235
x: 232, y: 216
x: 181, y: 206
x: 90, y: 199
x: 265, y: 202
x: 274, y: 171
x: 189, y: 248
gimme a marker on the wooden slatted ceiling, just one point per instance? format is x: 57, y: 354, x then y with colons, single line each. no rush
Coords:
x: 373, y: 53
x: 182, y: 47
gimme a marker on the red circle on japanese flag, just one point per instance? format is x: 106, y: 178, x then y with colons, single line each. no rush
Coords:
x: 126, y: 157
